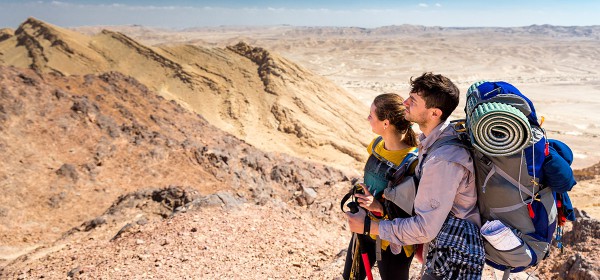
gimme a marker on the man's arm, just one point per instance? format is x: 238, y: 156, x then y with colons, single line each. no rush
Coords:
x: 434, y: 200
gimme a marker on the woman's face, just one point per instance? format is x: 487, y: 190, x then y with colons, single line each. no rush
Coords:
x: 377, y: 126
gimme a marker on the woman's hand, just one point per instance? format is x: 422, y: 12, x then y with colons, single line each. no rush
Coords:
x: 368, y: 201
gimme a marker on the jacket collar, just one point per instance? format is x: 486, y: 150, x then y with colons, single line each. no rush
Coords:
x: 426, y: 141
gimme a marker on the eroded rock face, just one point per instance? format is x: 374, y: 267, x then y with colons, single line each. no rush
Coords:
x: 585, y: 230
x: 579, y: 268
x: 72, y: 146
x: 245, y: 90
x: 579, y: 257
x: 6, y: 33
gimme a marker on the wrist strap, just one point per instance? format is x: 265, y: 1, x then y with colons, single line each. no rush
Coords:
x: 367, y: 227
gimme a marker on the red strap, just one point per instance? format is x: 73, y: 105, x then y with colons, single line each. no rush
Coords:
x: 377, y: 214
x: 419, y: 252
x: 531, y: 214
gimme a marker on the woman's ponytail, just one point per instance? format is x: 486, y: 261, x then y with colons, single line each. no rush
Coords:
x: 410, y: 137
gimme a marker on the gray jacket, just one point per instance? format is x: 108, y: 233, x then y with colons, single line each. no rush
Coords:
x: 447, y: 185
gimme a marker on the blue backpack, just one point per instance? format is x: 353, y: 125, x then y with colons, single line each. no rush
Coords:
x: 520, y: 174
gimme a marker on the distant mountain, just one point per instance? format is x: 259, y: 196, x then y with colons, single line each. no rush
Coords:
x: 545, y: 30
x: 262, y: 98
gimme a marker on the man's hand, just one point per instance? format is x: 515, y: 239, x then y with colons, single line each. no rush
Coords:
x: 368, y: 201
x: 356, y: 221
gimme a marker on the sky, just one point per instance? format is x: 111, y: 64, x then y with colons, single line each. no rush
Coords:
x: 178, y: 14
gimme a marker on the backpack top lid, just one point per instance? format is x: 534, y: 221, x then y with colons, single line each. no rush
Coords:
x: 503, y: 92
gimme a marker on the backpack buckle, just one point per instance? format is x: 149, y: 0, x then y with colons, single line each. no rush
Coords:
x: 460, y: 126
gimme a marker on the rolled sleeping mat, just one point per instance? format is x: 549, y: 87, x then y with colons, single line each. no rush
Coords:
x: 499, y: 129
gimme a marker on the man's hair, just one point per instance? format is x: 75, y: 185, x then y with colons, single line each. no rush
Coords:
x: 437, y: 91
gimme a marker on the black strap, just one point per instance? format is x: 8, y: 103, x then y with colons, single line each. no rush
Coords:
x: 344, y: 199
x: 367, y: 226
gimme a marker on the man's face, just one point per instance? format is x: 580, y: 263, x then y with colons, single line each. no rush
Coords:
x: 415, y: 109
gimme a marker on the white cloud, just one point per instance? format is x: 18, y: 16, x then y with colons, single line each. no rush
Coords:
x: 245, y: 9
x: 438, y: 5
x: 378, y: 11
x: 271, y: 9
x: 59, y: 3
x: 320, y: 10
x: 423, y: 5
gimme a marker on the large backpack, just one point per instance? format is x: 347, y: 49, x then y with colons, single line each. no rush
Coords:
x: 518, y: 171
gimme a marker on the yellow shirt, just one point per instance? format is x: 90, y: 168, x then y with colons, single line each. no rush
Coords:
x: 396, y: 158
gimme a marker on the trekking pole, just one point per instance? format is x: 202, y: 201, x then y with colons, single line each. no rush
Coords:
x: 361, y: 238
x: 365, y: 256
x: 355, y: 270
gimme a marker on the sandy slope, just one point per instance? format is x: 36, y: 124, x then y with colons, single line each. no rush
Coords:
x: 259, y: 96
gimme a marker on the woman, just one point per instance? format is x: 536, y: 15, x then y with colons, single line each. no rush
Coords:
x: 395, y: 141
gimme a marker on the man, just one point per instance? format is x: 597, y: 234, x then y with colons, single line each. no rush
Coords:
x: 446, y: 213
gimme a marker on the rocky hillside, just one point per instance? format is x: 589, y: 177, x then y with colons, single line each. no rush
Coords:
x: 72, y: 146
x: 259, y: 96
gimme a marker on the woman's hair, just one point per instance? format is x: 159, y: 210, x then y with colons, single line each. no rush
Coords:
x: 389, y: 106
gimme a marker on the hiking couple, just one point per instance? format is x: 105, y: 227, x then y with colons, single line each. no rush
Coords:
x: 445, y: 219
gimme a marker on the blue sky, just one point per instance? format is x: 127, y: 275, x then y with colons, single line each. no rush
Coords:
x: 367, y: 13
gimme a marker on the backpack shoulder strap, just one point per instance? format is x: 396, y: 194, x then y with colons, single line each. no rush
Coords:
x: 453, y: 140
x: 404, y: 167
x: 410, y: 158
x: 379, y: 157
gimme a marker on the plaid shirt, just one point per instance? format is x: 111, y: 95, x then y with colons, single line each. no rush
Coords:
x: 457, y: 251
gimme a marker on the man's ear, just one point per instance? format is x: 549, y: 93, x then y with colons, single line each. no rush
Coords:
x: 436, y: 113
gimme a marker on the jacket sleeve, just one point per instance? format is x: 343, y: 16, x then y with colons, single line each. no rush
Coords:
x: 433, y: 202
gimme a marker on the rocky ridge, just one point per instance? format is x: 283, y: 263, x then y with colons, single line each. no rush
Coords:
x: 75, y: 145
x: 271, y: 103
